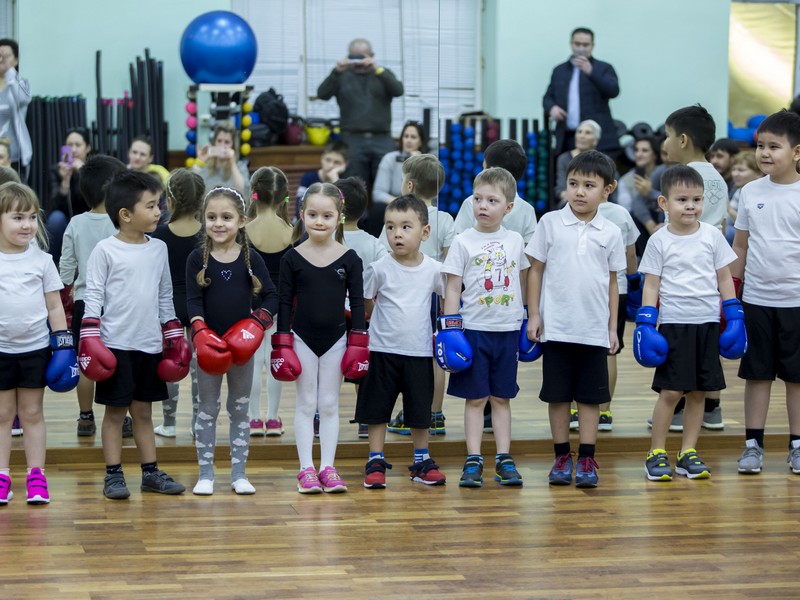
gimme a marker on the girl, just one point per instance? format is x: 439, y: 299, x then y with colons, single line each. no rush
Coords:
x: 744, y: 169
x: 315, y: 277
x: 224, y: 280
x: 221, y: 162
x: 29, y: 288
x: 182, y: 234
x: 270, y: 234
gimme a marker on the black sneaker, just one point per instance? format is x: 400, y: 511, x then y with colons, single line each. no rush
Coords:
x: 397, y: 425
x: 506, y: 472
x: 114, y: 487
x: 86, y: 427
x: 127, y: 427
x: 159, y: 482
x: 437, y: 424
x: 363, y: 430
x: 472, y: 475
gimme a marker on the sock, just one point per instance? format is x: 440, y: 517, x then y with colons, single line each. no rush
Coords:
x: 498, y: 458
x: 113, y: 469
x: 680, y: 405
x: 437, y: 414
x: 586, y: 450
x: 477, y: 457
x: 794, y: 441
x: 755, y: 434
x: 376, y: 455
x: 149, y: 467
x: 561, y: 449
x: 87, y: 416
x: 711, y: 404
x: 31, y: 468
x: 6, y: 472
x: 420, y: 454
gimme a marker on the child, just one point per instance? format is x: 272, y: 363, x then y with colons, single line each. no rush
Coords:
x: 182, y: 234
x: 222, y: 279
x: 489, y: 260
x: 30, y: 356
x: 400, y: 354
x: 423, y: 176
x: 767, y: 246
x: 315, y: 278
x: 368, y: 248
x: 686, y: 270
x: 572, y: 305
x: 128, y: 283
x: 270, y: 234
x: 744, y: 169
x: 333, y: 164
x: 83, y: 233
x: 721, y: 155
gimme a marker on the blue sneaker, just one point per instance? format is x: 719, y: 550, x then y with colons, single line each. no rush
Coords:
x: 397, y: 425
x: 561, y: 473
x: 472, y: 475
x: 586, y: 474
x: 506, y: 471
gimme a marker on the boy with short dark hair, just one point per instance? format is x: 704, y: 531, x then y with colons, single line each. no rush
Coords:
x: 767, y: 246
x: 574, y: 310
x: 686, y: 270
x: 400, y: 351
x: 333, y: 164
x: 128, y: 281
x: 721, y: 156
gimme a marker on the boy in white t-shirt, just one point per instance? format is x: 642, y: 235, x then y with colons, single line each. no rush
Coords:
x: 488, y: 260
x: 572, y: 306
x: 686, y: 269
x: 767, y: 246
x: 401, y: 285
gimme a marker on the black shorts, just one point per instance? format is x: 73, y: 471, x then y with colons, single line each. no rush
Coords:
x: 390, y: 375
x: 773, y: 344
x: 136, y: 378
x: 622, y: 316
x: 692, y: 363
x: 77, y: 317
x: 25, y: 370
x: 574, y: 372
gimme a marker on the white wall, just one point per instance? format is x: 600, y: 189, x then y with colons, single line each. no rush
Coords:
x: 666, y: 54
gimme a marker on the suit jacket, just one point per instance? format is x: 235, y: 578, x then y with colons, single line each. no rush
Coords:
x: 595, y: 92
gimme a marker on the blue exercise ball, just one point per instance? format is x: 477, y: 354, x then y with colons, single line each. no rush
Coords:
x: 218, y: 47
x: 756, y: 120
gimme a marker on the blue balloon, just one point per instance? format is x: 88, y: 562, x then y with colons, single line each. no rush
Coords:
x: 218, y: 47
x: 191, y: 136
x: 191, y: 150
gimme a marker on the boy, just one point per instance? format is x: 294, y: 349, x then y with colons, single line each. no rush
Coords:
x: 488, y: 260
x: 333, y: 163
x: 423, y: 176
x: 574, y: 309
x: 690, y: 132
x: 721, y: 156
x: 686, y: 269
x: 400, y: 349
x: 128, y: 280
x: 83, y: 233
x: 769, y: 212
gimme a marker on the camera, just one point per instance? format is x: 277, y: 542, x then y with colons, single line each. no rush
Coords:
x: 639, y: 171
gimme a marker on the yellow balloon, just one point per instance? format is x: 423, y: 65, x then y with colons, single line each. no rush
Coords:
x: 247, y: 107
x: 246, y: 135
x: 189, y: 163
x: 247, y: 120
x: 244, y: 149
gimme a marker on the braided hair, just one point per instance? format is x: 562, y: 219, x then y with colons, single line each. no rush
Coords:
x: 185, y: 190
x: 270, y: 187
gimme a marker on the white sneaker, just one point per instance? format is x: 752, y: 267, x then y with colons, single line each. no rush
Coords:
x: 167, y: 431
x: 243, y: 487
x: 204, y: 487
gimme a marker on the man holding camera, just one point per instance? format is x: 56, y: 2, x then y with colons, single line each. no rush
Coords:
x: 580, y: 89
x: 364, y: 92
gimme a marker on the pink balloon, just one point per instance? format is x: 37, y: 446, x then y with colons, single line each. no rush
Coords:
x: 191, y: 122
x: 191, y: 108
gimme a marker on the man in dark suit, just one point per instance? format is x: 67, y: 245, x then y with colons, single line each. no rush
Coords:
x: 580, y: 89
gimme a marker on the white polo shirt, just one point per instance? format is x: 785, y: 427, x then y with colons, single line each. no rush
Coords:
x: 578, y: 258
x: 521, y: 219
x: 770, y: 212
x: 620, y: 217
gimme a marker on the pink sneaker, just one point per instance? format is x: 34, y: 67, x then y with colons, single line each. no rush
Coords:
x: 331, y: 482
x: 256, y: 427
x: 37, y: 487
x: 5, y: 489
x: 274, y: 427
x: 308, y: 482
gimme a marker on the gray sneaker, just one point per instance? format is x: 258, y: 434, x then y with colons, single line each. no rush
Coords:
x: 675, y: 426
x: 713, y: 419
x: 114, y: 487
x: 752, y: 458
x: 691, y: 465
x: 657, y: 466
x: 127, y: 427
x: 794, y: 460
x: 159, y: 482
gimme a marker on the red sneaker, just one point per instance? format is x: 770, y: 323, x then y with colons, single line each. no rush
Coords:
x: 427, y: 472
x: 375, y: 474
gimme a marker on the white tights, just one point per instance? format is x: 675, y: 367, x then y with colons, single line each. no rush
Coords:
x: 274, y: 387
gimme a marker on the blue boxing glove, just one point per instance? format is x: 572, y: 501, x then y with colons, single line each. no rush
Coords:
x: 529, y: 351
x: 450, y: 346
x: 733, y: 340
x: 649, y: 346
x: 634, y: 302
x: 62, y: 371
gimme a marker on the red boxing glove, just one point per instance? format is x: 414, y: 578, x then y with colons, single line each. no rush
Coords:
x: 177, y: 353
x: 355, y: 362
x: 96, y: 361
x: 244, y: 337
x: 283, y: 360
x: 213, y: 355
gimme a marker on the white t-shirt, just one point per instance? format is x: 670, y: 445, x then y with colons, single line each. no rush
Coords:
x: 132, y: 285
x: 770, y: 212
x: 578, y: 258
x: 441, y: 237
x: 630, y: 233
x: 82, y: 234
x: 521, y: 219
x: 367, y: 246
x: 490, y: 265
x: 715, y: 194
x: 687, y: 265
x: 25, y: 278
x: 401, y: 320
